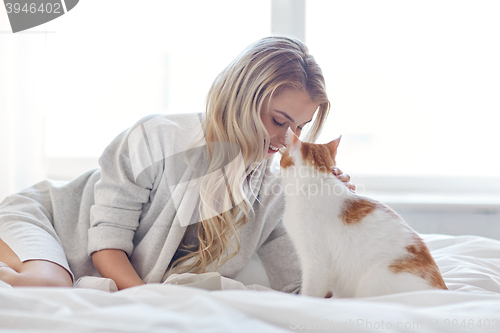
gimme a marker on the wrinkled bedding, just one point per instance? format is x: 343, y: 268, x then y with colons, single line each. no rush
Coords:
x: 470, y: 266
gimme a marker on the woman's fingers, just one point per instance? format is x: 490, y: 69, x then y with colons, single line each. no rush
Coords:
x: 345, y: 178
x: 350, y: 186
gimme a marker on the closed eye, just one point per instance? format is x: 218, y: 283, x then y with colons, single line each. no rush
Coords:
x: 302, y: 127
x: 277, y: 123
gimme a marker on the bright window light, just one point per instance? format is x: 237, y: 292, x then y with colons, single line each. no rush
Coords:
x: 414, y: 85
x: 109, y: 63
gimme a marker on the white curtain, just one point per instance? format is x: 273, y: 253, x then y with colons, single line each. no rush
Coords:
x: 22, y: 161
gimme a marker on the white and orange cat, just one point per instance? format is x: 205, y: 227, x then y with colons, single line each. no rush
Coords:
x: 348, y: 245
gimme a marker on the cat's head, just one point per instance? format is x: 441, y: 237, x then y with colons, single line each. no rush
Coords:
x: 319, y: 156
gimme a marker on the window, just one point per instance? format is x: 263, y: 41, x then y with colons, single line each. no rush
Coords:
x: 413, y: 85
x: 110, y: 63
x: 414, y: 88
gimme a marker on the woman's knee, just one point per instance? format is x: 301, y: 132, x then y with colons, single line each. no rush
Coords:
x: 44, y: 274
x: 8, y: 256
x: 37, y: 273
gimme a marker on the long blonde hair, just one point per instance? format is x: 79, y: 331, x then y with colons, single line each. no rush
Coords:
x: 233, y: 115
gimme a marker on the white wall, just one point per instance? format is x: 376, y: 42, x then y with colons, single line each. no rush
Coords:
x: 453, y: 223
x: 21, y: 113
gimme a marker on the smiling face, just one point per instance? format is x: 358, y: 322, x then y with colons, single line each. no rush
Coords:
x: 291, y: 108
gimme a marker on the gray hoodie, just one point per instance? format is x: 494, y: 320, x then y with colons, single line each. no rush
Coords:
x: 133, y: 203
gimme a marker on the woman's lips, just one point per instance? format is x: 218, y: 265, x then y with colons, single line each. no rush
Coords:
x: 272, y: 149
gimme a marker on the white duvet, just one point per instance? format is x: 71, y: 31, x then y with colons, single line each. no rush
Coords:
x: 470, y: 266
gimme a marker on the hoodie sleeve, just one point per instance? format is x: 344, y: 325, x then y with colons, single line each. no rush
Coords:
x: 128, y: 173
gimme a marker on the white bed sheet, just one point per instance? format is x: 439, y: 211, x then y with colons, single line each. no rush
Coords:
x: 470, y: 266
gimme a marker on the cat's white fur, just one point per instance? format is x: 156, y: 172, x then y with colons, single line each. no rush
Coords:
x: 348, y: 260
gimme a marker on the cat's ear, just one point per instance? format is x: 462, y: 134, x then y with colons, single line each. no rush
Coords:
x: 334, y: 144
x: 291, y: 139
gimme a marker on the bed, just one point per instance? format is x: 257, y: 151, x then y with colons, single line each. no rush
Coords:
x: 470, y: 266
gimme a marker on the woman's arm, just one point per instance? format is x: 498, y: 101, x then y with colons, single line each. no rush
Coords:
x: 115, y: 265
x: 120, y: 195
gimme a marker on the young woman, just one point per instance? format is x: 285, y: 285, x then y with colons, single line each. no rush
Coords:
x: 178, y: 193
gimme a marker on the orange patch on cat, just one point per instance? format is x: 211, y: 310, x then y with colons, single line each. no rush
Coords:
x: 419, y: 262
x: 318, y: 156
x: 286, y: 160
x: 355, y: 210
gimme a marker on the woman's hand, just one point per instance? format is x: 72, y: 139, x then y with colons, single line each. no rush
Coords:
x: 345, y: 178
x: 115, y: 265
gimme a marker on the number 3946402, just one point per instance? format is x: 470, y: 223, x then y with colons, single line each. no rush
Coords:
x: 473, y: 324
x: 49, y: 8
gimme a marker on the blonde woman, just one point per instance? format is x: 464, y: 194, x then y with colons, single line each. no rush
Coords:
x: 178, y: 193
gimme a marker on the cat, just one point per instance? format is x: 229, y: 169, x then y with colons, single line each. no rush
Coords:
x: 348, y: 245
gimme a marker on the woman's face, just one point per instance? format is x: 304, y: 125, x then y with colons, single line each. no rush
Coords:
x: 292, y: 109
